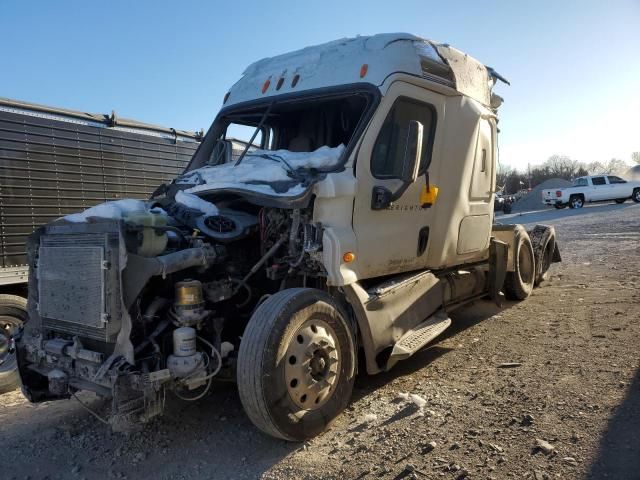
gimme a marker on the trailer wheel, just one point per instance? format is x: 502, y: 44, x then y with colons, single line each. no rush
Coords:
x: 519, y: 283
x: 296, y: 364
x: 13, y: 314
x: 561, y: 206
x: 635, y: 196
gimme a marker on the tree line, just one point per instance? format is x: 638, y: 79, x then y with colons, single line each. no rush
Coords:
x: 558, y: 166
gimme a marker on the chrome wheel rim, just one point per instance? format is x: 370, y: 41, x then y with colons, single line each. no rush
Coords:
x: 577, y: 202
x: 312, y: 364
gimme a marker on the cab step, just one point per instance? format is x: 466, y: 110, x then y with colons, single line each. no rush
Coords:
x: 418, y: 337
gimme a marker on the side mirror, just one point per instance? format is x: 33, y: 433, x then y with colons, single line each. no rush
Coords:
x: 381, y: 196
x: 412, y: 152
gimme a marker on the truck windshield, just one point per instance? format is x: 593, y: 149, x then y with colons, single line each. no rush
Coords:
x: 297, y: 125
x: 276, y: 146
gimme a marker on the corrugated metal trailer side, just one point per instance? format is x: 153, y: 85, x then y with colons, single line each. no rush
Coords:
x: 54, y: 162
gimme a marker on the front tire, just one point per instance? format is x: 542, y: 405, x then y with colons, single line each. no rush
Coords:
x: 518, y: 284
x: 296, y: 364
x: 13, y: 314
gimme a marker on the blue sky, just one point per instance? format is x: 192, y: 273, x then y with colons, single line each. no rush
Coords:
x: 573, y: 65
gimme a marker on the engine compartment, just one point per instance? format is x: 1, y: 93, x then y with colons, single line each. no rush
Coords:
x: 157, y: 301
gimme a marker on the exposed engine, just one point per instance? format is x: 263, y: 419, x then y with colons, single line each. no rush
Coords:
x: 157, y: 301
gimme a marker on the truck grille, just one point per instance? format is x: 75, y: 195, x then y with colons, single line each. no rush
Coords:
x: 72, y: 284
x: 78, y: 284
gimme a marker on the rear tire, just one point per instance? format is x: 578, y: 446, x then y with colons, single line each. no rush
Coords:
x: 635, y: 196
x: 621, y: 200
x: 296, y: 364
x: 13, y: 314
x: 543, y: 241
x: 519, y: 283
x: 576, y: 201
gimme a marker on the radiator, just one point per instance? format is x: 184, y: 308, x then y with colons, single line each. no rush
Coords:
x: 79, y: 283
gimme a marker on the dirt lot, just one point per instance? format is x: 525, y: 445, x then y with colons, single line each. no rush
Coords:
x: 574, y: 383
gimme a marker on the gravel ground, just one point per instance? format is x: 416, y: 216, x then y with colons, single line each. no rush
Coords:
x: 546, y: 388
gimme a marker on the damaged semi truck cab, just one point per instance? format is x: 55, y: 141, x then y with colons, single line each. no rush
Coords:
x: 356, y: 213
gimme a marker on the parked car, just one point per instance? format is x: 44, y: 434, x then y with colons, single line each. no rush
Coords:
x: 597, y: 188
x: 502, y: 202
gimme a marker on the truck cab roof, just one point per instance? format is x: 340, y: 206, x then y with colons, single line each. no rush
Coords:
x: 368, y: 59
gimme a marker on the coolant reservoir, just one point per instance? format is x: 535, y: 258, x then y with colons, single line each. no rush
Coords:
x: 184, y: 342
x: 153, y: 242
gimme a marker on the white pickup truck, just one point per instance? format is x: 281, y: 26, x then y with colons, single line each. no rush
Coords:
x: 597, y: 188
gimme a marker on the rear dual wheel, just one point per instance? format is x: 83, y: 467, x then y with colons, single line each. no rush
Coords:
x: 296, y: 364
x: 518, y: 284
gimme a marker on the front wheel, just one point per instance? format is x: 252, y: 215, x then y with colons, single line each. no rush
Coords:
x: 296, y: 364
x: 635, y: 196
x: 13, y: 314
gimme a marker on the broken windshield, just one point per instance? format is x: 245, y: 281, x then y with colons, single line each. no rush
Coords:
x: 279, y: 148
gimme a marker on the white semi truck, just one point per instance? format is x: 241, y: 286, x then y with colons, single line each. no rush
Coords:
x: 357, y: 215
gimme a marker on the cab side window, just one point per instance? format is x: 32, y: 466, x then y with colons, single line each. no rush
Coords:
x: 388, y: 151
x: 581, y: 182
x: 598, y: 181
x: 616, y: 180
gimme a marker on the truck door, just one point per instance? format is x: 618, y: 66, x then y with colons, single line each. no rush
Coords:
x: 395, y: 238
x: 618, y: 187
x: 599, y: 189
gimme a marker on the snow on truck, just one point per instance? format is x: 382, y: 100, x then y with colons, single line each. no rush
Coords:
x: 597, y: 188
x: 356, y: 216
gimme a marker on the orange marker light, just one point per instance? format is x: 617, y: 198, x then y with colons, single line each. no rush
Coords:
x: 265, y: 85
x: 348, y: 257
x: 363, y: 70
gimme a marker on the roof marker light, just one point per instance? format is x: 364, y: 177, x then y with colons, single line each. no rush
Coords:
x: 226, y: 97
x: 265, y: 85
x: 295, y: 80
x: 363, y: 70
x: 279, y: 84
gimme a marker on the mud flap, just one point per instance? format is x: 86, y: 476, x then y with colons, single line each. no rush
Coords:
x: 498, y: 255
